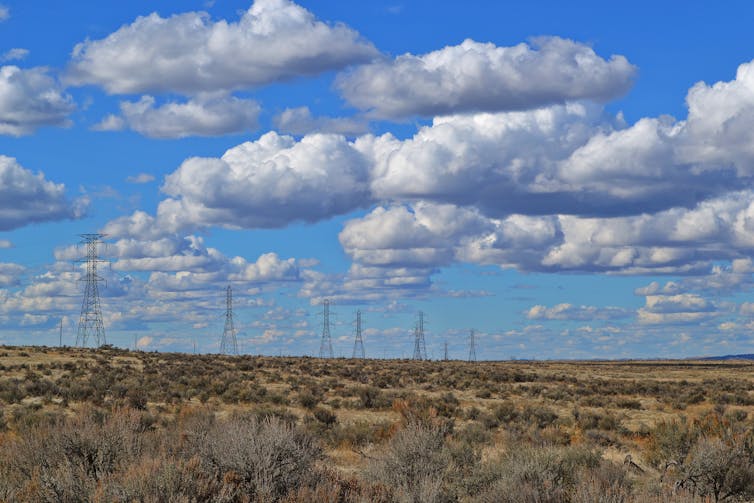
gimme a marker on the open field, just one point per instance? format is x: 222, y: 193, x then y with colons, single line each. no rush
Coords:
x: 86, y: 425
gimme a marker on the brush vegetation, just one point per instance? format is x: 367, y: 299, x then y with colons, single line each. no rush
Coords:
x: 112, y: 425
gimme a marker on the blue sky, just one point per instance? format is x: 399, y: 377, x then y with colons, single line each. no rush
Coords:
x: 572, y: 180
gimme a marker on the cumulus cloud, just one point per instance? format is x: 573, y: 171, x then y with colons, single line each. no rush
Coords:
x: 27, y: 198
x: 54, y: 291
x: 570, y: 312
x: 139, y: 243
x: 14, y: 54
x: 30, y: 99
x: 366, y: 284
x: 676, y: 241
x: 5, y: 243
x: 268, y: 267
x: 720, y: 123
x: 139, y: 225
x: 4, y: 13
x: 203, y: 116
x: 681, y: 308
x: 111, y: 122
x: 433, y: 235
x: 475, y: 77
x: 299, y: 121
x: 190, y: 53
x: 140, y: 178
x: 270, y: 182
x: 561, y: 161
x: 10, y: 274
x: 424, y: 235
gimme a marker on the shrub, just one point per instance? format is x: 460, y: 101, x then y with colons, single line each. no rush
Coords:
x: 260, y: 459
x: 416, y: 463
x: 325, y: 416
x: 540, y: 415
x: 307, y: 400
x: 719, y: 469
x: 528, y: 474
x: 369, y: 396
x: 670, y: 443
x: 606, y: 483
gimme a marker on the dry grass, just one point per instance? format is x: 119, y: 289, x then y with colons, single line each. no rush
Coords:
x: 354, y: 409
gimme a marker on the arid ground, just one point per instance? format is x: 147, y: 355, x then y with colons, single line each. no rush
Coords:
x: 116, y: 425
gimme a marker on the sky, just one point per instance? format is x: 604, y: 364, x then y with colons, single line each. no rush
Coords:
x: 568, y: 179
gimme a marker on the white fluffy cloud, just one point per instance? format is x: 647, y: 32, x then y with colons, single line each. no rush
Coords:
x: 299, y: 121
x: 190, y: 53
x: 674, y: 240
x: 428, y: 235
x: 203, y: 116
x: 267, y: 268
x: 475, y: 77
x: 681, y: 308
x: 556, y: 161
x: 30, y: 99
x: 27, y: 198
x: 10, y: 274
x: 677, y: 240
x: 570, y: 312
x: 269, y: 182
x: 17, y: 53
x: 721, y: 123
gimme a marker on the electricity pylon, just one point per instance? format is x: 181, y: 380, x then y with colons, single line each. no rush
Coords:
x: 420, y: 348
x: 325, y: 346
x: 90, y: 320
x: 229, y: 344
x: 358, y: 345
x: 472, y: 346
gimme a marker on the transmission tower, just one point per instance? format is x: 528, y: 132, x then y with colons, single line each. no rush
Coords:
x: 472, y: 346
x: 90, y: 321
x: 325, y: 347
x: 358, y: 345
x: 420, y: 349
x: 228, y: 344
x: 445, y: 358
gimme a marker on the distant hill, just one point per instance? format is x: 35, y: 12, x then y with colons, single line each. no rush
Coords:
x: 729, y: 357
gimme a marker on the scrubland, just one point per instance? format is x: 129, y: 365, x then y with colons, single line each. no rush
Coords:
x: 114, y: 425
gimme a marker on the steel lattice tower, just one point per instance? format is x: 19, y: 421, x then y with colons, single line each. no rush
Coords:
x: 228, y: 344
x: 325, y: 346
x: 420, y: 349
x: 445, y: 358
x: 472, y: 346
x: 358, y: 345
x: 90, y: 321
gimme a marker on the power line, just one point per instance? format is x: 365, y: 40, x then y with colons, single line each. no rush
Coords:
x: 420, y: 348
x: 228, y: 344
x: 358, y: 345
x: 90, y: 320
x: 325, y: 346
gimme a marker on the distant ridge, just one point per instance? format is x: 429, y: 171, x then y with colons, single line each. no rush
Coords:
x: 730, y: 357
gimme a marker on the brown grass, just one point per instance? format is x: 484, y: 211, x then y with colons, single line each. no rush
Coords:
x: 485, y: 409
